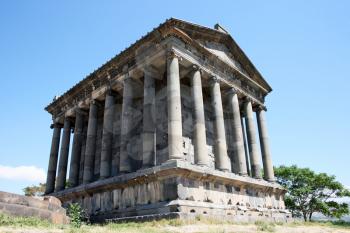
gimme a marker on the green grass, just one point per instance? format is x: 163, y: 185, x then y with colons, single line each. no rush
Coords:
x: 6, y: 220
x: 265, y: 226
x: 159, y: 226
x: 333, y: 224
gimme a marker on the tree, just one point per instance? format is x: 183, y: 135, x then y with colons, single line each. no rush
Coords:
x: 309, y: 192
x: 39, y: 190
x: 35, y: 190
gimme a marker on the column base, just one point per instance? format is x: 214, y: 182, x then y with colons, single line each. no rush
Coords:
x: 271, y: 180
x: 202, y: 164
x: 243, y: 174
x: 224, y: 170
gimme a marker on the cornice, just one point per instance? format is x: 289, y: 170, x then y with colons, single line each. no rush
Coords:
x: 126, y: 59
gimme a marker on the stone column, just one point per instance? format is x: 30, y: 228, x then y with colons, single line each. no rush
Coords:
x: 222, y: 160
x: 264, y: 145
x: 76, y: 149
x: 199, y: 136
x: 149, y: 119
x: 126, y: 126
x: 51, y: 171
x: 246, y: 153
x: 251, y: 136
x: 107, y: 137
x: 62, y: 165
x: 174, y: 108
x: 90, y: 143
x: 238, y: 143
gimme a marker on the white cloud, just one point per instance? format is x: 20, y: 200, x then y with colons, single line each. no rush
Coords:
x: 22, y: 173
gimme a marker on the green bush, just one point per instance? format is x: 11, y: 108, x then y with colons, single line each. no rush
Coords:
x: 76, y: 214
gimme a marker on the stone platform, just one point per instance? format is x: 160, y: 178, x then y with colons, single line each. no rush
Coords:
x: 179, y: 189
x: 47, y: 208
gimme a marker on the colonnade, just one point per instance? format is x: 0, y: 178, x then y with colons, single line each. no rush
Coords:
x: 175, y: 137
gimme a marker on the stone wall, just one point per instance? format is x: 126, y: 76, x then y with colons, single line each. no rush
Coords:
x: 162, y: 123
x: 182, y: 189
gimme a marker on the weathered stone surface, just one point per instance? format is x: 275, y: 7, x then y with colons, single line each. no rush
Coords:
x: 64, y: 152
x: 264, y: 145
x: 199, y: 136
x: 107, y: 137
x: 251, y: 138
x: 90, y: 143
x: 51, y: 171
x: 198, y: 189
x: 174, y: 108
x: 149, y: 120
x: 76, y: 149
x: 48, y: 208
x: 237, y: 136
x: 222, y: 160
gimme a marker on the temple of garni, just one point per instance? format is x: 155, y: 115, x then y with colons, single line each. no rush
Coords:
x: 167, y: 129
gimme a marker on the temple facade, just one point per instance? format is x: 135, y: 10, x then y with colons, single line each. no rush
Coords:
x: 173, y: 126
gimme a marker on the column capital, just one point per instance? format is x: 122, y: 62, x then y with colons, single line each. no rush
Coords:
x: 95, y: 102
x: 56, y: 125
x: 196, y: 68
x: 261, y: 108
x: 110, y: 91
x: 213, y: 80
x: 150, y: 70
x: 69, y: 118
x: 69, y: 126
x: 248, y: 99
x: 127, y: 78
x: 80, y: 111
x: 171, y: 53
x: 233, y: 91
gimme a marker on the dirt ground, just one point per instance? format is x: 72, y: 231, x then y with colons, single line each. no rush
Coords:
x: 254, y: 228
x: 190, y: 228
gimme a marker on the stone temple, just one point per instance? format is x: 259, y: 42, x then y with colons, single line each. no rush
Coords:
x: 166, y: 129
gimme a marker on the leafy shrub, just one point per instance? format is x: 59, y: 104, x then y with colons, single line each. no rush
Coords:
x: 77, y: 215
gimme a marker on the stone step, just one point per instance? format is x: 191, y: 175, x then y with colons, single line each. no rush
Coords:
x: 48, y: 208
x: 47, y: 202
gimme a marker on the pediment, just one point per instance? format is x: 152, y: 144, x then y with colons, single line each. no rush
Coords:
x: 224, y: 54
x: 222, y: 45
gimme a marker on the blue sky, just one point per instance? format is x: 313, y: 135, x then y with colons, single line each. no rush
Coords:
x: 300, y: 47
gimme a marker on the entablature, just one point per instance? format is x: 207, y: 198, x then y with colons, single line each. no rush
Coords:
x: 154, y: 55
